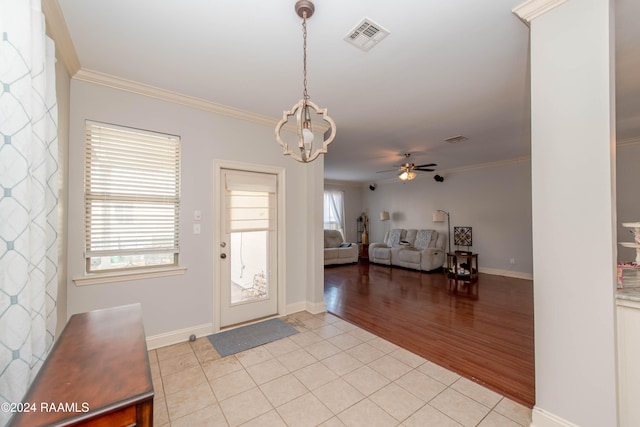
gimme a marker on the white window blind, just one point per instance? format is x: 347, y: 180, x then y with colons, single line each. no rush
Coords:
x: 132, y: 198
x: 250, y: 201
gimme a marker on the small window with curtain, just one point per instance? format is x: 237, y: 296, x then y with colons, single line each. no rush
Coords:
x: 131, y: 198
x: 334, y: 210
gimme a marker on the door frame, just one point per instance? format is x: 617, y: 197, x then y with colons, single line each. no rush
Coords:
x: 217, y: 229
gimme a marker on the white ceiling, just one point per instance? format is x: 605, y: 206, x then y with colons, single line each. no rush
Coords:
x: 456, y: 67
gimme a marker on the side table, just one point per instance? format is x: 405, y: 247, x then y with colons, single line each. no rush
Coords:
x: 364, y: 251
x: 462, y: 266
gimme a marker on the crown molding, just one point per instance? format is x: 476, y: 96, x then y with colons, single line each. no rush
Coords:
x: 143, y: 89
x: 336, y: 182
x: 531, y: 9
x: 167, y: 95
x: 487, y: 165
x: 58, y: 31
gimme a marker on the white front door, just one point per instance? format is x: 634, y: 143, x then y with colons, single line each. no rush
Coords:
x: 248, y: 246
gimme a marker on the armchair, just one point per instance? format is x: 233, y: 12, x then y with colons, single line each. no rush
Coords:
x: 336, y: 251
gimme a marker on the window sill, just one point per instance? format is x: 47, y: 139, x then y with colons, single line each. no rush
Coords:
x: 97, y: 279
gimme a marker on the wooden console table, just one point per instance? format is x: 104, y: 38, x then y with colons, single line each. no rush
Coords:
x: 97, y: 374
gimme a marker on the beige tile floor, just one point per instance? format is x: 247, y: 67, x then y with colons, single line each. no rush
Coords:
x: 332, y: 373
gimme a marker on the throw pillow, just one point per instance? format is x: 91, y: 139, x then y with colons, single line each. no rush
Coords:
x: 394, y: 237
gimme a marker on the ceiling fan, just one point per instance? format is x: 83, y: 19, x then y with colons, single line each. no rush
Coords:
x: 407, y: 169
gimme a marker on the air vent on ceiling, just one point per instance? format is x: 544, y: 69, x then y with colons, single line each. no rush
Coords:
x: 455, y: 139
x: 366, y: 35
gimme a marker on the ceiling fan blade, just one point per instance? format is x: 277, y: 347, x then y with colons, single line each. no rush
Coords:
x: 390, y: 170
x: 428, y: 165
x: 424, y: 170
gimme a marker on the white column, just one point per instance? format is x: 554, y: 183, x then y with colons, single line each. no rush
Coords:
x: 573, y: 199
x: 315, y: 250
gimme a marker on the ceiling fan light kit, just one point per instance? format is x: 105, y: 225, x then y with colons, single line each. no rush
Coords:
x: 407, y: 175
x: 302, y: 109
x: 407, y: 170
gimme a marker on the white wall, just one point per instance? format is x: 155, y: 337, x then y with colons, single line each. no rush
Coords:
x: 494, y: 200
x: 186, y: 301
x: 573, y: 193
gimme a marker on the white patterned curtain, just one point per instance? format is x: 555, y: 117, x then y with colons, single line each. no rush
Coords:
x: 334, y: 211
x: 28, y: 196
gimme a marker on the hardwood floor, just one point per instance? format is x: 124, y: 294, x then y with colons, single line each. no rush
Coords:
x: 483, y: 331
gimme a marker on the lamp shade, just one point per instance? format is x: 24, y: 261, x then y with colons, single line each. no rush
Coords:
x: 407, y: 175
x: 384, y: 216
x: 439, y: 216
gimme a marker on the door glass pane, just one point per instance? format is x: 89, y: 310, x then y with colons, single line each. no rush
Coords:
x: 249, y: 268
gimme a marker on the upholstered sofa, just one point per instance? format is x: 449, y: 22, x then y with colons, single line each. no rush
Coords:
x: 336, y: 251
x: 417, y: 249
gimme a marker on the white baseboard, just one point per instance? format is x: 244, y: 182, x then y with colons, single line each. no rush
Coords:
x: 313, y: 308
x: 507, y: 273
x: 542, y: 418
x: 296, y: 307
x: 175, y: 337
x: 316, y: 308
x: 182, y: 335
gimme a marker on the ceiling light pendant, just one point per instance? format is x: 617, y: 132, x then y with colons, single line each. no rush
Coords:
x: 406, y: 175
x: 302, y: 109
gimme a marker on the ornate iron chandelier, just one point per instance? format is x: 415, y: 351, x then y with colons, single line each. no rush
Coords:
x: 302, y: 109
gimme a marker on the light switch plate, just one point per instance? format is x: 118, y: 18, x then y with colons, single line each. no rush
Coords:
x: 196, y: 228
x: 197, y: 215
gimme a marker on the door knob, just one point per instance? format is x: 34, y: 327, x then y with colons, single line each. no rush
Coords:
x: 223, y: 255
x: 223, y: 244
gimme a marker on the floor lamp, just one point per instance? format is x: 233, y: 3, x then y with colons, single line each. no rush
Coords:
x: 384, y: 217
x: 438, y: 216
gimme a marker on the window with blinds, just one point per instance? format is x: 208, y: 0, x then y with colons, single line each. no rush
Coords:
x: 131, y: 198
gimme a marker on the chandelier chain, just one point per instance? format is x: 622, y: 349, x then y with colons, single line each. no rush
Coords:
x: 305, y: 94
x: 302, y: 110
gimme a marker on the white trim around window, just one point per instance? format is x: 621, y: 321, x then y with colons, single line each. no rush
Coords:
x: 131, y: 201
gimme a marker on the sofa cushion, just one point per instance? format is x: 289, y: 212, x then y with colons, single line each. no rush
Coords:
x: 331, y: 253
x: 332, y: 239
x: 350, y: 251
x: 407, y: 255
x: 423, y: 239
x: 380, y: 253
